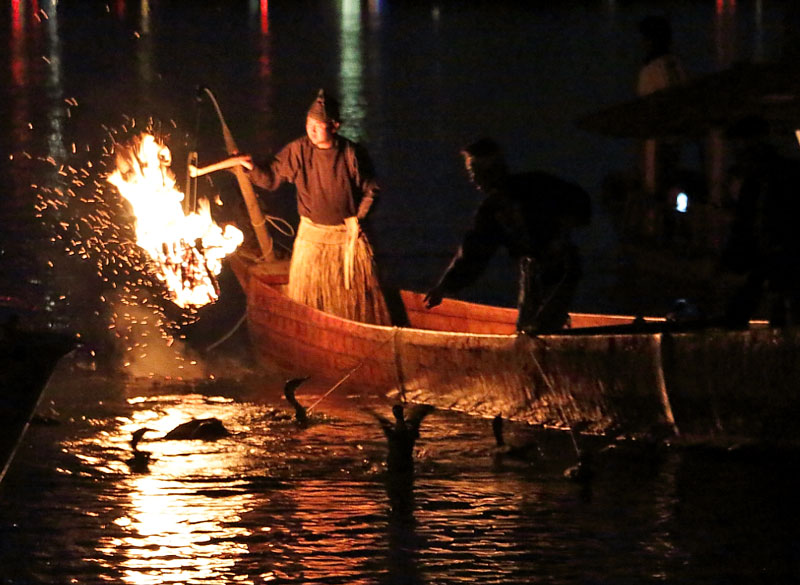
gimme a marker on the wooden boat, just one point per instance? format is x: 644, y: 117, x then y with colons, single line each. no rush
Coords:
x: 27, y: 360
x: 609, y: 373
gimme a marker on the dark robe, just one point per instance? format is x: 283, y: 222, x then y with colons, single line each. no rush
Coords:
x: 332, y: 183
x: 331, y: 270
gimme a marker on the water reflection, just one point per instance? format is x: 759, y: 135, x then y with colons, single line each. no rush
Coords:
x: 275, y: 502
x: 36, y: 113
x: 724, y: 39
x: 19, y: 66
x: 19, y: 62
x: 403, y: 543
x: 179, y: 521
x: 144, y: 16
x: 759, y: 50
x: 119, y: 8
x: 173, y: 534
x: 259, y: 10
x: 351, y: 68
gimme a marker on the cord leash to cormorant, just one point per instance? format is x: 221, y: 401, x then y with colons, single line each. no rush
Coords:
x: 354, y: 369
x: 552, y: 389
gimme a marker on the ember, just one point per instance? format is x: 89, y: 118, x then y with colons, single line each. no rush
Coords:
x: 186, y: 250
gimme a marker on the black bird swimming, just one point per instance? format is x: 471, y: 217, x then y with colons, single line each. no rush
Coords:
x: 204, y: 429
x: 402, y: 435
x: 300, y: 412
x: 582, y: 472
x: 139, y: 460
x: 526, y: 452
x: 647, y: 451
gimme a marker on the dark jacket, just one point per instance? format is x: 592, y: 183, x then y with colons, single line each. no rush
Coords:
x: 529, y: 214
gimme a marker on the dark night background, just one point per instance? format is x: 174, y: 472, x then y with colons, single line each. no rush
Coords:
x: 417, y: 81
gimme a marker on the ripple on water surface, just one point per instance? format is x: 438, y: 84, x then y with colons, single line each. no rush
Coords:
x: 276, y: 502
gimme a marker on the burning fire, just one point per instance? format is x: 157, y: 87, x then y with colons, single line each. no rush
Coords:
x: 187, y: 250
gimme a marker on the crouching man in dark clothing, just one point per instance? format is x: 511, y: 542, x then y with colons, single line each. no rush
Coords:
x: 532, y: 215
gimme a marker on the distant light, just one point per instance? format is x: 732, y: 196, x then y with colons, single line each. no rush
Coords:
x: 682, y: 202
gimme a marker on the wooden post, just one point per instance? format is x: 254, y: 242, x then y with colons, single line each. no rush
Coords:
x: 253, y: 209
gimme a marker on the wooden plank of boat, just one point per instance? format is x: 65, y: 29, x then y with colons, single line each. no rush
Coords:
x: 609, y: 371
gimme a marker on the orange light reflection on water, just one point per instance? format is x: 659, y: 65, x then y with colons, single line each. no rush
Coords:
x: 177, y: 535
x: 240, y: 509
x: 179, y: 519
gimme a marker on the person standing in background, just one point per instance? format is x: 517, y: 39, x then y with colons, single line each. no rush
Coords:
x: 661, y: 69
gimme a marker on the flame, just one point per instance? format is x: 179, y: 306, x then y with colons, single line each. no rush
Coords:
x: 186, y: 250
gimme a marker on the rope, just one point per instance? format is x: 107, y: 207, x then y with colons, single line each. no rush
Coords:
x: 275, y: 221
x: 228, y: 334
x: 353, y: 370
x: 558, y: 405
x: 546, y: 299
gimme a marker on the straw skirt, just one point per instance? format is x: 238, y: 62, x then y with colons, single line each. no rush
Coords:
x: 336, y: 274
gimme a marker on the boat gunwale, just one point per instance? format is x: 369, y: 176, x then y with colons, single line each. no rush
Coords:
x: 251, y: 274
x: 615, y: 330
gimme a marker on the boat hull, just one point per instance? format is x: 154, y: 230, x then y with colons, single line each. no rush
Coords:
x: 705, y: 385
x: 27, y: 360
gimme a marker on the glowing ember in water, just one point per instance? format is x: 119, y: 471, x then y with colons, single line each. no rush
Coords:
x: 187, y: 250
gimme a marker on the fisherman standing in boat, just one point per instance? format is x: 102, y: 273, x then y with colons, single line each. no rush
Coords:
x: 532, y: 215
x: 332, y: 267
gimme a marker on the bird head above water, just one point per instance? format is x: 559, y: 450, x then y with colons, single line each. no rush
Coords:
x: 139, y: 460
x: 137, y: 436
x: 497, y: 430
x: 289, y: 388
x: 528, y: 451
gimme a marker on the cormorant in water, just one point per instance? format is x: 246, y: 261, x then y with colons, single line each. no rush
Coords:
x: 139, y: 460
x: 647, y: 450
x: 300, y: 412
x: 205, y: 429
x: 402, y: 435
x: 527, y: 452
x: 583, y: 471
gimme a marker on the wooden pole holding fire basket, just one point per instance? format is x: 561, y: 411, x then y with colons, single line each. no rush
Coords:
x: 251, y: 201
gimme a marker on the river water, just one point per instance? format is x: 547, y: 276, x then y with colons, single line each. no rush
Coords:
x: 274, y: 502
